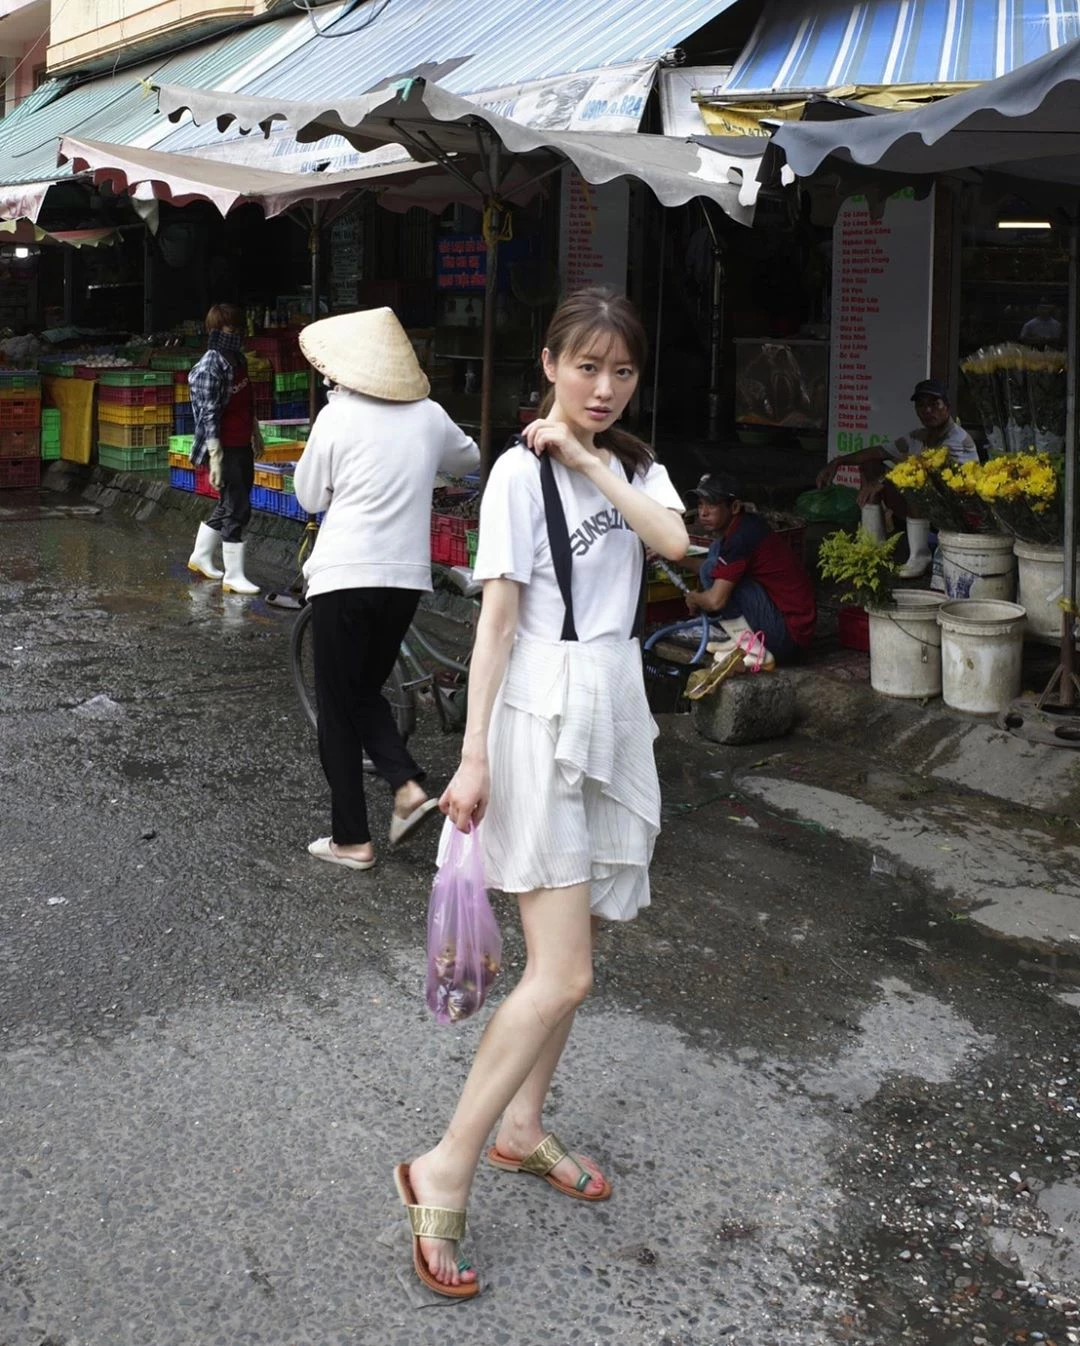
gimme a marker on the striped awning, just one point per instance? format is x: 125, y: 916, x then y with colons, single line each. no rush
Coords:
x: 832, y: 44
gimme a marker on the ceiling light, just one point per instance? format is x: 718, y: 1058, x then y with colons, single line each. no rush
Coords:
x: 22, y: 253
x: 1024, y: 224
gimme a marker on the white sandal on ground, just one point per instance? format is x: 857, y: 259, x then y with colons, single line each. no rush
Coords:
x: 323, y: 849
x: 400, y: 828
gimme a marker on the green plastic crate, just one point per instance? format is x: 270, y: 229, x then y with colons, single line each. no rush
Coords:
x: 181, y: 444
x: 50, y: 452
x: 50, y: 431
x: 182, y: 361
x: 58, y: 371
x: 150, y: 459
x: 285, y: 383
x: 136, y: 378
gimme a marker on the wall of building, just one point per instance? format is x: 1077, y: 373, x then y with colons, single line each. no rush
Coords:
x: 91, y: 30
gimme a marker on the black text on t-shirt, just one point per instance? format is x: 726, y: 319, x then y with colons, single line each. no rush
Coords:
x: 586, y: 533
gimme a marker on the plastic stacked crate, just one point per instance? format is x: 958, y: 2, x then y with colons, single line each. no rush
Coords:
x: 261, y: 374
x: 290, y: 395
x: 135, y: 419
x: 450, y: 540
x: 20, y: 428
x: 50, y: 434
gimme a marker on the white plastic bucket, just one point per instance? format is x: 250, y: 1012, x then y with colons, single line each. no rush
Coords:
x: 905, y: 645
x: 978, y: 565
x: 1041, y: 584
x: 982, y: 646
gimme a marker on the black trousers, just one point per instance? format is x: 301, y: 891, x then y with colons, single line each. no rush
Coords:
x: 358, y: 633
x: 233, y: 510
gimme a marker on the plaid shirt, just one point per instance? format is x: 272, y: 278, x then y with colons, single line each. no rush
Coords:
x: 211, y: 383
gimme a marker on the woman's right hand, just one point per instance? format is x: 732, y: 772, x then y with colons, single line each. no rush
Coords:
x: 465, y: 799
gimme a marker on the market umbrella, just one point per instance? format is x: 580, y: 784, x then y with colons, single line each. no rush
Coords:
x: 1019, y: 134
x: 24, y: 232
x: 475, y: 146
x: 311, y: 199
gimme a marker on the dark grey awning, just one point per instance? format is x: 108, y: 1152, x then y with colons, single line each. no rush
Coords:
x: 437, y: 126
x: 1023, y: 126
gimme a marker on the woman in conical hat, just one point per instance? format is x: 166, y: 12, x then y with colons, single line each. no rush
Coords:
x: 370, y: 462
x: 557, y: 764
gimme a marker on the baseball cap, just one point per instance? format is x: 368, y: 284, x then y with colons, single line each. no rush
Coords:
x: 931, y: 388
x: 714, y: 487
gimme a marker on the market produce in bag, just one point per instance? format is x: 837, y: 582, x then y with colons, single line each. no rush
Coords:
x: 464, y: 946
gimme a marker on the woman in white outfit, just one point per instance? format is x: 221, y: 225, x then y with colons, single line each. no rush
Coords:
x: 557, y: 758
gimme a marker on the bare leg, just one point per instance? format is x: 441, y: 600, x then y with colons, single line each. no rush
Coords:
x: 557, y: 978
x: 522, y: 1127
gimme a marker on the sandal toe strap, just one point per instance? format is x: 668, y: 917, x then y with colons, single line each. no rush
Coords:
x: 546, y: 1155
x: 436, y: 1222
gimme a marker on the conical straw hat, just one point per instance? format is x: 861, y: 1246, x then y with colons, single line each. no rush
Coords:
x: 367, y: 352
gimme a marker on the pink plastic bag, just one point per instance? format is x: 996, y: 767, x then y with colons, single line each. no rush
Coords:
x: 464, y: 946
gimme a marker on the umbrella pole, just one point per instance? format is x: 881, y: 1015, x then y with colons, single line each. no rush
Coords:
x: 659, y: 324
x: 313, y: 245
x: 1065, y: 681
x: 493, y: 223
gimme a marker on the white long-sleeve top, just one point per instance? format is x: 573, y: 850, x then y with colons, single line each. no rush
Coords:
x: 372, y: 466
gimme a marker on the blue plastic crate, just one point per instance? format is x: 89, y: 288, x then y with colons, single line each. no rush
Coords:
x: 183, y: 419
x: 183, y: 478
x: 262, y: 498
x: 292, y: 508
x: 290, y: 411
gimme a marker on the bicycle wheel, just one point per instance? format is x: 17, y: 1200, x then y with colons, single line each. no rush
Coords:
x: 302, y: 662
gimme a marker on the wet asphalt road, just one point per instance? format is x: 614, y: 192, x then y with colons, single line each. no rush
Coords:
x: 830, y: 1113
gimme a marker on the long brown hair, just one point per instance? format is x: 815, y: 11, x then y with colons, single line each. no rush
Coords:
x: 579, y: 319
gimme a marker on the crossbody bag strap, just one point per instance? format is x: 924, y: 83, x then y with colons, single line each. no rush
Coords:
x: 643, y: 586
x: 559, y: 541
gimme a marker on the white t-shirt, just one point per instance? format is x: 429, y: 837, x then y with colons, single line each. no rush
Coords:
x: 606, y: 554
x: 372, y: 465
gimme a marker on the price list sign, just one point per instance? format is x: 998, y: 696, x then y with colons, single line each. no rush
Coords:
x: 594, y: 230
x: 881, y: 310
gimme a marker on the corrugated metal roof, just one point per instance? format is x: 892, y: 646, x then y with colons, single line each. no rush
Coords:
x: 117, y: 108
x: 511, y: 42
x: 833, y: 43
x: 489, y: 47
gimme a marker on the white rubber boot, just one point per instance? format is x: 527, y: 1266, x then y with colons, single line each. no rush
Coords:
x: 873, y: 521
x: 235, y: 581
x: 201, y: 560
x: 918, y: 562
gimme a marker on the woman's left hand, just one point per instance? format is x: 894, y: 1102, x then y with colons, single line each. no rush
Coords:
x: 557, y: 439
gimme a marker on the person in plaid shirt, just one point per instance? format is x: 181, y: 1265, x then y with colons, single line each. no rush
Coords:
x: 226, y: 433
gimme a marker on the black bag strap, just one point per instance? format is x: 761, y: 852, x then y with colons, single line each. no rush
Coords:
x: 562, y: 557
x: 559, y: 541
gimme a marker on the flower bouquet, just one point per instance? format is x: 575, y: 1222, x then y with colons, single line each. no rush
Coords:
x: 938, y: 491
x: 1024, y: 492
x: 1020, y: 395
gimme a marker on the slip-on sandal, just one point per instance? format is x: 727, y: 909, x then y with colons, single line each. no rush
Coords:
x: 706, y: 680
x: 540, y: 1163
x: 323, y: 849
x: 400, y: 828
x: 433, y: 1222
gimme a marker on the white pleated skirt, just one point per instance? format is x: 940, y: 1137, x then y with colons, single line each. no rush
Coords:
x: 574, y: 791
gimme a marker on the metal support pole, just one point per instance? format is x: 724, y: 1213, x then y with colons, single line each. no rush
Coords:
x: 659, y: 324
x: 716, y: 327
x: 313, y: 246
x: 148, y: 283
x: 1065, y: 681
x: 493, y: 224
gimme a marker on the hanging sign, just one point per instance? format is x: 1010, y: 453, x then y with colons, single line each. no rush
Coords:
x: 594, y: 232
x: 882, y: 287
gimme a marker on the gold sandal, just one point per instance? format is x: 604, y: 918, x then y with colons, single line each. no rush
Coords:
x: 706, y: 680
x: 540, y: 1163
x: 433, y: 1222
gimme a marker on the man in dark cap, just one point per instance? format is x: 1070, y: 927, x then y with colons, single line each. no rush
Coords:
x: 937, y: 429
x: 750, y: 572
